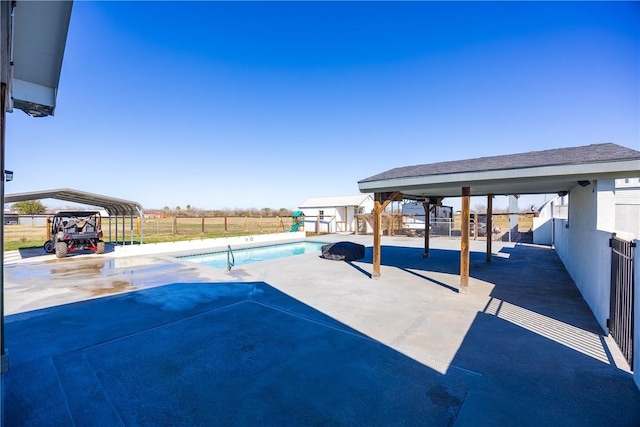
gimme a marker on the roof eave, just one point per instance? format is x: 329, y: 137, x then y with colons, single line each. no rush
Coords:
x: 534, y: 180
x: 40, y: 31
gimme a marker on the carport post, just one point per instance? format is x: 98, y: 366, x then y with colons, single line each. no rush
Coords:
x: 489, y: 230
x: 464, y: 241
x: 141, y: 217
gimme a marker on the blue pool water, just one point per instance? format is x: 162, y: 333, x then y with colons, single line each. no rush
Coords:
x: 249, y: 255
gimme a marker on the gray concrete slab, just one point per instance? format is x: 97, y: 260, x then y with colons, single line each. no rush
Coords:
x: 304, y: 340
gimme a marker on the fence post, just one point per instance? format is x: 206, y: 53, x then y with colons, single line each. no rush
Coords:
x: 202, y: 223
x: 175, y: 226
x: 476, y: 229
x: 261, y: 229
x: 225, y: 223
x: 246, y: 223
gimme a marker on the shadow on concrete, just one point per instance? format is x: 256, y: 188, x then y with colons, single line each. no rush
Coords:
x: 432, y: 280
x: 360, y: 269
x: 247, y: 354
x: 39, y: 252
x: 541, y: 352
x: 530, y: 379
x: 213, y: 354
x: 531, y: 277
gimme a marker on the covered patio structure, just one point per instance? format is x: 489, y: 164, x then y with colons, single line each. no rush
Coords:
x: 537, y: 172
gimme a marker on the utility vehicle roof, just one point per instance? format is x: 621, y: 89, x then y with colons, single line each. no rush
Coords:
x: 76, y: 213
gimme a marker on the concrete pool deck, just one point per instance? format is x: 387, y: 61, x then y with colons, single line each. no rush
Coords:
x: 299, y: 341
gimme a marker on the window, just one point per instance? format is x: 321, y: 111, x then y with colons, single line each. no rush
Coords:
x: 321, y: 215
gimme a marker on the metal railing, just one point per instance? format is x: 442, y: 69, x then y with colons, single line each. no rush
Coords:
x: 621, y: 320
x: 231, y: 259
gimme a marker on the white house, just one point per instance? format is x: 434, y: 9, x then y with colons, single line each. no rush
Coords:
x: 336, y: 214
x: 628, y: 205
x: 627, y: 212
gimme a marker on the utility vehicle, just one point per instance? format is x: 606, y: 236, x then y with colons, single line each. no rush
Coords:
x: 70, y: 231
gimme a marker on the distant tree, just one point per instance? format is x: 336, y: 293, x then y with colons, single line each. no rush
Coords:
x: 188, y: 207
x: 29, y: 207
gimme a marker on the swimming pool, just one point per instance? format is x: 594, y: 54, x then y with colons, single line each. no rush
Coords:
x: 257, y: 254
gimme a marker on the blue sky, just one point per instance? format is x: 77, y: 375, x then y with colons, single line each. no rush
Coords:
x: 239, y: 105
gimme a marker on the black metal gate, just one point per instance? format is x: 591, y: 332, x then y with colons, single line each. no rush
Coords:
x: 621, y: 313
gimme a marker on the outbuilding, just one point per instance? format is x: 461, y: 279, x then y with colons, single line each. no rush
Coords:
x: 337, y: 214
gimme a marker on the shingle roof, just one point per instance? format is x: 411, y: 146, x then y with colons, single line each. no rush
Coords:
x: 594, y: 153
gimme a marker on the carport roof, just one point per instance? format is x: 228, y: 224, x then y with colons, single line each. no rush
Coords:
x: 536, y: 172
x: 112, y: 205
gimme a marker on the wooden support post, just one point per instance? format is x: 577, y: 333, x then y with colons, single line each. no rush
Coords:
x: 464, y: 241
x: 225, y: 224
x: 489, y: 225
x: 261, y: 226
x: 246, y: 223
x: 381, y: 201
x: 202, y: 224
x: 318, y: 224
x: 427, y: 224
x: 175, y: 225
x: 377, y: 219
x: 356, y: 220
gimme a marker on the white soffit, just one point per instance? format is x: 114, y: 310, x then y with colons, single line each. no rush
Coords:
x: 39, y: 37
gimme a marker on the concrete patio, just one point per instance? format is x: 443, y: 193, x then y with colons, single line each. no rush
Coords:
x: 155, y: 340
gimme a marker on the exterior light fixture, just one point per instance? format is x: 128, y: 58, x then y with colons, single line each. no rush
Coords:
x: 8, y: 175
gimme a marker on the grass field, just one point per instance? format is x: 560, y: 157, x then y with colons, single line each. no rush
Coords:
x: 157, y: 230
x: 167, y: 229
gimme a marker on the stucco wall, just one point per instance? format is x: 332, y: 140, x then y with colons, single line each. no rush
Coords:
x: 542, y: 231
x: 583, y: 247
x: 628, y: 219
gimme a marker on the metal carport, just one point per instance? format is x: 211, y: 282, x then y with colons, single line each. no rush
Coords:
x: 537, y: 172
x: 118, y: 208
